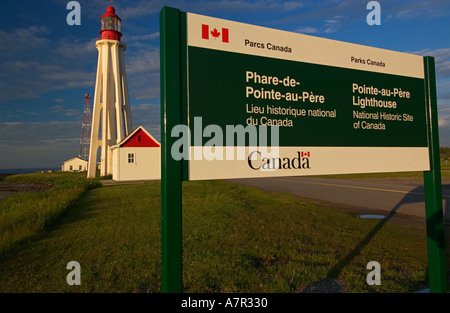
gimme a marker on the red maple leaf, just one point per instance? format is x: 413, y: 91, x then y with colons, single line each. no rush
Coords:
x: 215, y: 33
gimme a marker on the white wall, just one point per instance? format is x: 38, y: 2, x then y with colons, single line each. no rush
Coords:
x: 146, y: 166
x: 75, y: 163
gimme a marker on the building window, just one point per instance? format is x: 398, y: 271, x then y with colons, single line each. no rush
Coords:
x: 80, y: 167
x: 130, y: 157
x: 71, y: 168
x: 139, y: 138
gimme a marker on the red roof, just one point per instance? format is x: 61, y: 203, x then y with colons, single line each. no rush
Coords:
x: 139, y: 137
x: 110, y: 11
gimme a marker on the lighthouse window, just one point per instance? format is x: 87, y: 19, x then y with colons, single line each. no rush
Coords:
x: 110, y: 23
x: 117, y: 24
x: 130, y: 158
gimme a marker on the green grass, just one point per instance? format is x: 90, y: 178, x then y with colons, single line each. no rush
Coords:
x: 235, y: 239
x: 25, y: 215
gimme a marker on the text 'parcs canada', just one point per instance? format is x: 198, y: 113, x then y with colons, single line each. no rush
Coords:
x: 268, y: 46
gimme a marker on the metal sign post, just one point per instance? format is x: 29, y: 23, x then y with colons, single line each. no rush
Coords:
x: 171, y: 170
x: 433, y: 189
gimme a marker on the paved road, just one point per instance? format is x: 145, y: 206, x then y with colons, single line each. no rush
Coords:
x: 389, y: 195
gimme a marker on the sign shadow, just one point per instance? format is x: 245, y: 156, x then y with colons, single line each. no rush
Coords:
x: 414, y: 196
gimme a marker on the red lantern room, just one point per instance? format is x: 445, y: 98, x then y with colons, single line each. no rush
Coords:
x: 110, y: 25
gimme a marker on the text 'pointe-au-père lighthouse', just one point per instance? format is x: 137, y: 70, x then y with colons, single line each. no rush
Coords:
x: 111, y: 110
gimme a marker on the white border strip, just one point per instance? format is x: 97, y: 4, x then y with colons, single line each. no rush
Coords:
x: 321, y: 161
x: 304, y: 48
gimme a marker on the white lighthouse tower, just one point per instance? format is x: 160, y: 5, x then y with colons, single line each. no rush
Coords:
x: 111, y: 109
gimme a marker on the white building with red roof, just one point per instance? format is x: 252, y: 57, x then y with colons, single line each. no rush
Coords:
x: 137, y: 157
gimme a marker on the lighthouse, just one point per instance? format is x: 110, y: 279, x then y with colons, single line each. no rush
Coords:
x: 111, y: 116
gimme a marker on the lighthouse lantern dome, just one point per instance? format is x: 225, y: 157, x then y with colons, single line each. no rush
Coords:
x: 111, y: 25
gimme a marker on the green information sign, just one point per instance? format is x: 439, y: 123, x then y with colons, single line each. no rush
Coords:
x: 314, y: 105
x: 346, y: 108
x: 336, y: 107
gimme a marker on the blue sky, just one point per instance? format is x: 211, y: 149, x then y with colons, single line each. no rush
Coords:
x: 46, y: 66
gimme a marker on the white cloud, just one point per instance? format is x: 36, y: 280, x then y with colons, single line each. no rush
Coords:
x: 38, y: 144
x: 442, y: 60
x: 443, y: 122
x: 12, y: 123
x: 64, y: 111
x: 332, y: 25
x: 420, y: 9
x: 32, y: 64
x: 144, y: 62
x: 145, y: 37
x: 292, y: 5
x: 307, y: 30
x: 147, y: 115
x: 146, y: 8
x: 142, y: 67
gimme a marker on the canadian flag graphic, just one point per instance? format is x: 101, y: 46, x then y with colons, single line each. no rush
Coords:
x: 305, y: 154
x: 215, y: 33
